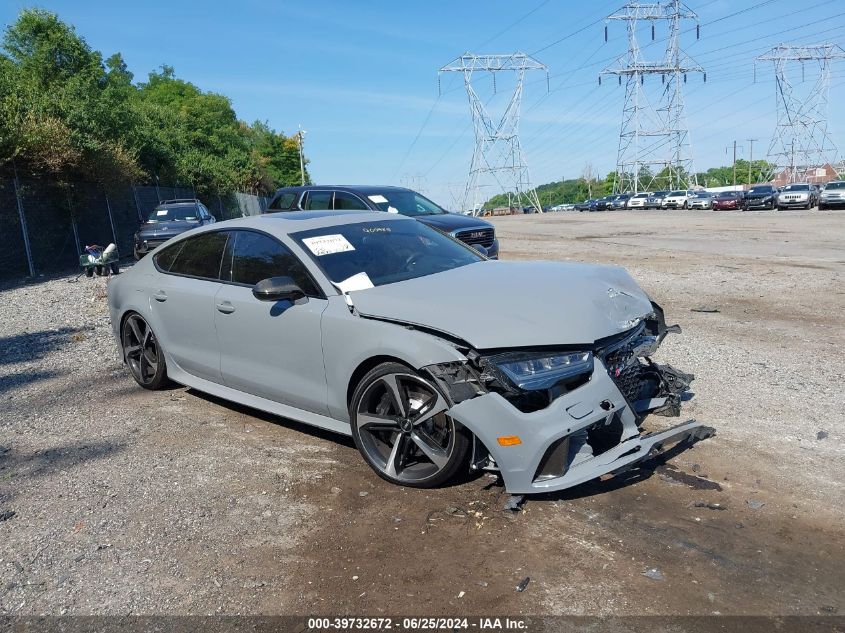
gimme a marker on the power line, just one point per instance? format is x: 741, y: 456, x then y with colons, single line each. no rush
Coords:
x: 513, y: 24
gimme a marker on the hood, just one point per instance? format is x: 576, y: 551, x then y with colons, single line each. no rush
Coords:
x: 453, y: 222
x: 514, y: 304
x: 166, y: 229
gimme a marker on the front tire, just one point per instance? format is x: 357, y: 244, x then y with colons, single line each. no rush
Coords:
x: 401, y: 427
x: 142, y: 353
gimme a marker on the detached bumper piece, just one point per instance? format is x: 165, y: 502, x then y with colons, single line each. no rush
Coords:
x: 589, y: 431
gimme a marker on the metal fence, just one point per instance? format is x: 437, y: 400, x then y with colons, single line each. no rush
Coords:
x: 46, y: 226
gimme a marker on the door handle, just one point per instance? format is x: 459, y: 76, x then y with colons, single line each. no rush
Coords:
x: 160, y: 296
x: 225, y: 307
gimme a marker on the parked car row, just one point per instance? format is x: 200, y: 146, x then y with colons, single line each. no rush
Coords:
x: 173, y: 217
x: 791, y: 196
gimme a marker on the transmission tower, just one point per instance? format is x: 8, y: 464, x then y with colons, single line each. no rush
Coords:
x: 801, y: 141
x: 498, y: 153
x: 653, y: 140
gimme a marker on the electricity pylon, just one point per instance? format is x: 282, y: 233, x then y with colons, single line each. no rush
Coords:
x: 498, y: 152
x: 801, y: 141
x: 653, y: 140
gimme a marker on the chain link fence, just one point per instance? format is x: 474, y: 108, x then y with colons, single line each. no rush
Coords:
x: 45, y: 226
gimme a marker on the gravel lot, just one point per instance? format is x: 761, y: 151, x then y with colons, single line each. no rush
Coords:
x: 131, y: 502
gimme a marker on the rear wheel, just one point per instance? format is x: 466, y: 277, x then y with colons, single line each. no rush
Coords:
x: 401, y: 427
x: 142, y: 353
x: 115, y: 268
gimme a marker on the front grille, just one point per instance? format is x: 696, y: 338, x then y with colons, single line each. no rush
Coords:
x: 484, y: 237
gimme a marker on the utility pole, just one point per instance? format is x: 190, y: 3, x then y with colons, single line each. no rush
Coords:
x: 801, y: 132
x: 653, y: 133
x: 750, y: 156
x: 301, y: 135
x: 498, y: 154
x: 734, y: 163
x: 727, y: 149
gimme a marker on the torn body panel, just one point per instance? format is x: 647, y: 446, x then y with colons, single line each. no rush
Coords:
x: 579, y: 429
x: 582, y: 435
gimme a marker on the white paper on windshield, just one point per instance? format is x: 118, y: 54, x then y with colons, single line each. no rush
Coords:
x: 392, y: 210
x: 162, y: 212
x: 328, y: 244
x: 361, y: 281
x: 377, y: 198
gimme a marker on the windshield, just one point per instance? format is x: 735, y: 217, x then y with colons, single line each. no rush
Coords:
x: 797, y: 188
x: 405, y: 202
x: 678, y: 193
x: 641, y: 195
x: 358, y: 256
x: 834, y: 185
x: 761, y: 190
x: 702, y: 195
x: 171, y: 214
x: 727, y: 194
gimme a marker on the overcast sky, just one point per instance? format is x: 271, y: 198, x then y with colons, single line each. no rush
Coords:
x: 361, y: 76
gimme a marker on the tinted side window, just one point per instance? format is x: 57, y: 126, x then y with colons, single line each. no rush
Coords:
x: 348, y: 201
x: 318, y: 200
x: 258, y: 256
x: 201, y: 255
x: 282, y: 202
x: 164, y: 258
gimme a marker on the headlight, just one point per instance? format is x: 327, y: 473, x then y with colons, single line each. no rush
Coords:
x: 543, y: 370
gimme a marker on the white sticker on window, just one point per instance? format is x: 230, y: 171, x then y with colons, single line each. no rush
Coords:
x: 392, y: 210
x: 377, y: 199
x: 328, y: 244
x: 162, y: 212
x: 361, y: 281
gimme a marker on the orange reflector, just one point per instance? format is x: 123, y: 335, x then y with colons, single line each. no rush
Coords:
x: 509, y: 440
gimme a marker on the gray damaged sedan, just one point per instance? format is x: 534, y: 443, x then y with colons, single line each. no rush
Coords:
x: 433, y: 358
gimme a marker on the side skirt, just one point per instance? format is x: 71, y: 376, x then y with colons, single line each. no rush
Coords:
x: 176, y: 374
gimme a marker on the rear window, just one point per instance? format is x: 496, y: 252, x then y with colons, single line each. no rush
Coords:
x: 282, y: 202
x: 164, y: 258
x: 200, y: 256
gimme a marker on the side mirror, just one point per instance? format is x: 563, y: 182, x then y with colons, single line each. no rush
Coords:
x: 481, y: 249
x: 277, y: 289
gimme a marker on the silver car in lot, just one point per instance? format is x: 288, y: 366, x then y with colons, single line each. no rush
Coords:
x: 432, y: 357
x: 701, y: 200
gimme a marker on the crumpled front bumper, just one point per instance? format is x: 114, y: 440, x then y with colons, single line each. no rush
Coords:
x: 543, y: 433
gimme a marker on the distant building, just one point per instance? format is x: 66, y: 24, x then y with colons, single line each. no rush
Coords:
x: 819, y: 175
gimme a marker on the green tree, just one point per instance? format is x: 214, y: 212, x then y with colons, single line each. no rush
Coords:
x: 65, y: 111
x: 61, y: 104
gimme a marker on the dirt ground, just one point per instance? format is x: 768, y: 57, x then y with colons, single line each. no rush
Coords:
x: 131, y: 502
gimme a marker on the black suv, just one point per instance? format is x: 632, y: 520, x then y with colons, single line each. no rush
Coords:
x: 470, y: 230
x: 169, y: 219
